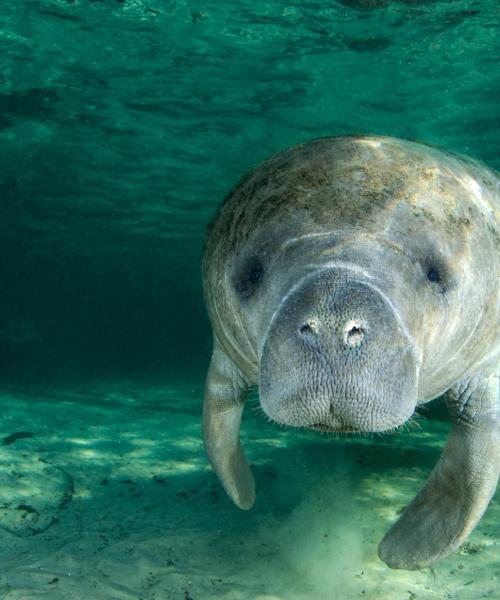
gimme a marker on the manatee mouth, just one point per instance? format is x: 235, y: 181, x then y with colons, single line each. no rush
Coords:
x: 329, y: 429
x: 321, y: 427
x: 343, y: 428
x: 295, y: 410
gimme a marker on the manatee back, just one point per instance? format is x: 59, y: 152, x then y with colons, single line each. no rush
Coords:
x: 342, y: 181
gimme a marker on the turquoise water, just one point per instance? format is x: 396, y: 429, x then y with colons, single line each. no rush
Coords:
x: 122, y: 126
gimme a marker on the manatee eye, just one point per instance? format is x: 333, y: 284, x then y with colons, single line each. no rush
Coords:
x: 433, y: 275
x: 247, y: 279
x: 437, y: 272
x: 255, y: 274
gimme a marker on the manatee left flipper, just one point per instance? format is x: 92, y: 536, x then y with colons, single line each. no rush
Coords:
x: 461, y: 485
x: 225, y: 393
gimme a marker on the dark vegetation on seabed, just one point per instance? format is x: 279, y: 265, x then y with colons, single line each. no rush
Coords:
x: 123, y: 124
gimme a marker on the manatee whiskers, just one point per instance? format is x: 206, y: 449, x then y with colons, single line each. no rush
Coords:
x: 410, y: 425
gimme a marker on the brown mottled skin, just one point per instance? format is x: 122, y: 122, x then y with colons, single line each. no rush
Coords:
x: 351, y: 279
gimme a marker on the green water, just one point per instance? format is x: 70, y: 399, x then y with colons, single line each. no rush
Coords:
x: 122, y: 126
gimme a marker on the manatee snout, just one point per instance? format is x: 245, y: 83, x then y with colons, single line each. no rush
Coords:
x: 337, y: 357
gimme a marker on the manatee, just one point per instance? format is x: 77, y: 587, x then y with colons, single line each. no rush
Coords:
x: 353, y: 279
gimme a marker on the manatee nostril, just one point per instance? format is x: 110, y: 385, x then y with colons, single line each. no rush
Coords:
x: 309, y: 328
x: 354, y: 334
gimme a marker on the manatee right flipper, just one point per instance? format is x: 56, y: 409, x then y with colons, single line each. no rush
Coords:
x: 461, y: 485
x: 225, y: 392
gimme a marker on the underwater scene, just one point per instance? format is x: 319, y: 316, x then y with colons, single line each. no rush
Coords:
x: 124, y: 124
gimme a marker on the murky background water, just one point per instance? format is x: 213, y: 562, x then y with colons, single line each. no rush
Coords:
x: 123, y: 123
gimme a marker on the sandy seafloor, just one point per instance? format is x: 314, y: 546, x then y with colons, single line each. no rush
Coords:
x: 117, y: 472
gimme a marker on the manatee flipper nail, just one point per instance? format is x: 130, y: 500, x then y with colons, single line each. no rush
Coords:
x: 461, y: 485
x: 225, y: 391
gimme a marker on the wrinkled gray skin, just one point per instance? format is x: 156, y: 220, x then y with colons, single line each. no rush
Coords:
x: 352, y: 279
